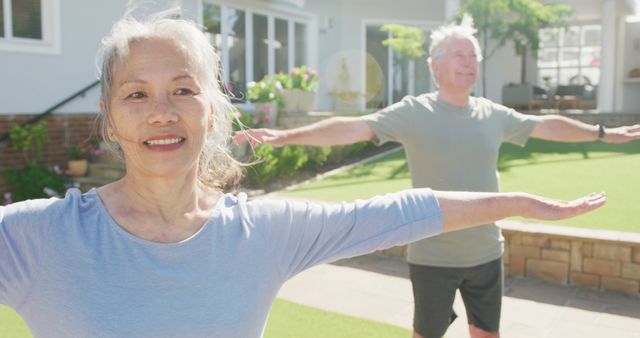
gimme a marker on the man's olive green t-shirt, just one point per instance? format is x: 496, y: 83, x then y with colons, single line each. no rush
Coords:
x: 452, y: 148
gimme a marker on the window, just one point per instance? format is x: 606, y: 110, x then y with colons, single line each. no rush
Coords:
x: 281, y: 45
x: 237, y: 52
x: 29, y: 25
x: 27, y: 19
x: 401, y: 77
x: 569, y: 56
x: 260, y: 47
x: 300, y: 56
x: 252, y: 44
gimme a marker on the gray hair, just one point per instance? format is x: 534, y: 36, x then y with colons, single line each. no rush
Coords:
x: 216, y: 168
x: 442, y: 34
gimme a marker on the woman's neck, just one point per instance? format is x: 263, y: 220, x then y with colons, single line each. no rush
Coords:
x: 160, y: 210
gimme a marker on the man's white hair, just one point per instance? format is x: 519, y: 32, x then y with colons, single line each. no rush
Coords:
x: 440, y: 36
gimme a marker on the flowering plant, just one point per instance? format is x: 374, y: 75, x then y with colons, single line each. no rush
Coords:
x: 301, y: 78
x: 264, y: 91
x: 90, y: 149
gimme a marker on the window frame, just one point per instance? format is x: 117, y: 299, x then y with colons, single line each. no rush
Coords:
x: 50, y: 42
x: 559, y: 48
x: 271, y: 13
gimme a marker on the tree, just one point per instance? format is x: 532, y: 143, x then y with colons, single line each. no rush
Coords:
x: 515, y: 21
x: 407, y: 41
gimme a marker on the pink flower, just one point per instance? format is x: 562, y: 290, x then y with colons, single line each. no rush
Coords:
x: 266, y: 108
x: 305, y: 77
x: 267, y: 119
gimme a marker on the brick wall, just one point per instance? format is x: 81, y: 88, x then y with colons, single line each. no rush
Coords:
x: 64, y: 130
x: 598, y: 259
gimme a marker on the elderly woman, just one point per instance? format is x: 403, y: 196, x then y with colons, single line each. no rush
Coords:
x: 163, y: 252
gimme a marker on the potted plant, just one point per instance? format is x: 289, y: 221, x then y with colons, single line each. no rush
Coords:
x: 298, y: 89
x: 78, y: 162
x: 634, y: 73
x: 265, y: 97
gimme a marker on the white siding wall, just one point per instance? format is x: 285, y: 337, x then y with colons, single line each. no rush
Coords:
x: 31, y: 82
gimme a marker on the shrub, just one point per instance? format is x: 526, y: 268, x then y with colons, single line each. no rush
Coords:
x: 285, y: 164
x: 34, y: 181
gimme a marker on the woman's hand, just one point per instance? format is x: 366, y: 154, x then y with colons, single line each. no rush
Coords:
x: 462, y: 210
x: 543, y: 208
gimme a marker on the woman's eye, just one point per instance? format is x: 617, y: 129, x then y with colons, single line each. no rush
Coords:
x: 184, y: 91
x: 136, y: 95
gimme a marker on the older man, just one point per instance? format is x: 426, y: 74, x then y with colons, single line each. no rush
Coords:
x: 452, y: 142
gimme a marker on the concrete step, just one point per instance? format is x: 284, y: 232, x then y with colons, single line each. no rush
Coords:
x: 107, y: 170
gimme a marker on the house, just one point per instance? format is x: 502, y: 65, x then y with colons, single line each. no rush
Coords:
x: 47, y: 51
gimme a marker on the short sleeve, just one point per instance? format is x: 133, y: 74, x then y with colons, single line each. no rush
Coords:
x: 389, y: 124
x: 517, y: 126
x: 22, y: 236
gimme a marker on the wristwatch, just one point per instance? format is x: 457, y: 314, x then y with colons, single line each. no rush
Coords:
x: 601, y: 132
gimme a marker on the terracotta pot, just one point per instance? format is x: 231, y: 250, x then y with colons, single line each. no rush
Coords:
x: 78, y: 167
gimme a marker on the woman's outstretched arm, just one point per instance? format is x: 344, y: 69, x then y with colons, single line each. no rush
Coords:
x: 462, y: 210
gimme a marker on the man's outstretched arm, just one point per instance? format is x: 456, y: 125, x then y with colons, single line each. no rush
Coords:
x: 329, y: 132
x: 563, y: 129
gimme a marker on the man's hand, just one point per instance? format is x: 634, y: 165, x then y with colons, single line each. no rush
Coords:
x: 261, y: 135
x: 622, y: 134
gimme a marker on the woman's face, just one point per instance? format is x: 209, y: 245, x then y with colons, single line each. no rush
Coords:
x: 158, y: 112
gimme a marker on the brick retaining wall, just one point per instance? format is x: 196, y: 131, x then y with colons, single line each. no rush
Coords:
x: 64, y: 130
x: 598, y: 259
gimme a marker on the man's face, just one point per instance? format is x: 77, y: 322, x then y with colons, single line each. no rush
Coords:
x: 457, y: 68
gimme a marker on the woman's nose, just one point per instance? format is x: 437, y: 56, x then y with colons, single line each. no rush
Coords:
x: 163, y: 111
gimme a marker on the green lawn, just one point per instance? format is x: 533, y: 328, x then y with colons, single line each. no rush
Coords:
x: 297, y: 321
x: 11, y: 326
x: 553, y: 169
x: 286, y: 320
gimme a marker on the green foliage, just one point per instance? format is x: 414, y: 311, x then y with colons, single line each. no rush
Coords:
x: 270, y: 89
x: 514, y: 21
x: 76, y: 153
x: 286, y: 163
x: 264, y: 91
x: 300, y: 78
x: 31, y: 181
x: 407, y: 41
x: 29, y: 139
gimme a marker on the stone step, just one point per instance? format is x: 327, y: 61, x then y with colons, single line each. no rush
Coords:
x: 107, y: 170
x: 85, y: 183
